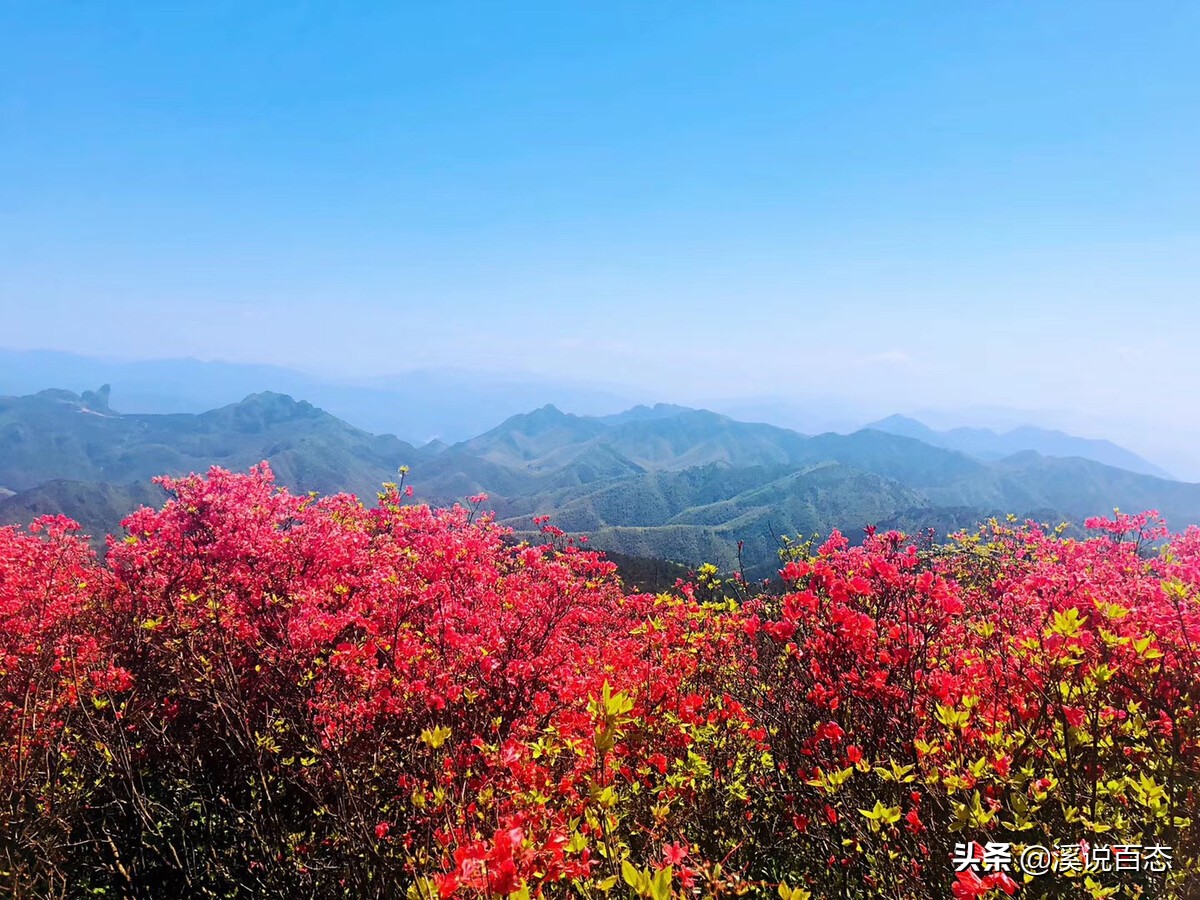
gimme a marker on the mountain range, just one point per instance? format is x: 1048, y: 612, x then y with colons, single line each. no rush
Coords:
x: 665, y: 482
x: 453, y: 405
x: 988, y: 444
x: 418, y: 405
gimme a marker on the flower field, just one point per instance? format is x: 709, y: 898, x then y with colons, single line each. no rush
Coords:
x: 257, y: 694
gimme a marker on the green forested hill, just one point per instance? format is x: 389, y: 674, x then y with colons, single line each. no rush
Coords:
x: 666, y: 482
x: 97, y: 505
x: 549, y: 439
x: 59, y: 435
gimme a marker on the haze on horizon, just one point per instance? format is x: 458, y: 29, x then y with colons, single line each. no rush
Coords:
x: 920, y: 207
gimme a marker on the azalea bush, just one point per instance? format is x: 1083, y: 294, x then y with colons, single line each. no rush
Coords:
x: 257, y: 694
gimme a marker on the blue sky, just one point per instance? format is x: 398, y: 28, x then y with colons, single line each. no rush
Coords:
x: 946, y: 204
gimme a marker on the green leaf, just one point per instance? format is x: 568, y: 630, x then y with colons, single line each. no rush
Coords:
x: 660, y: 887
x: 630, y: 874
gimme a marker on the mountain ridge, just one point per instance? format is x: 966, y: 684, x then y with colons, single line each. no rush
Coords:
x: 686, y: 483
x: 988, y: 444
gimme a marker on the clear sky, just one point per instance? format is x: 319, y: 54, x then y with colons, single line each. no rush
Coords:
x: 956, y: 203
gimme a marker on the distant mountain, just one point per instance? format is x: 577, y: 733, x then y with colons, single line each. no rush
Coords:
x: 673, y: 483
x: 454, y: 405
x: 672, y: 438
x: 692, y: 483
x: 56, y: 435
x: 990, y: 445
x: 536, y: 441
x: 642, y: 413
x: 418, y: 405
x: 809, y: 414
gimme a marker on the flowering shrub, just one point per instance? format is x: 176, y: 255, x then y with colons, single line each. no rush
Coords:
x: 258, y: 695
x: 1011, y: 687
